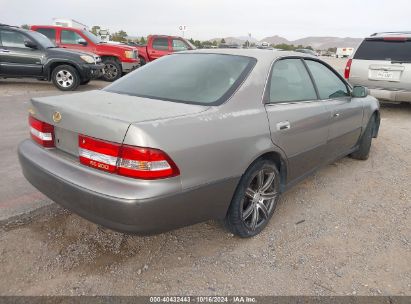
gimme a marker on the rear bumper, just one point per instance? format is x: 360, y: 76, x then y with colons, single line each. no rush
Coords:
x: 119, y: 203
x: 392, y: 96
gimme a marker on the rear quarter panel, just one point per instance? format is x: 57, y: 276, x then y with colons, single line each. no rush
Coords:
x: 217, y: 144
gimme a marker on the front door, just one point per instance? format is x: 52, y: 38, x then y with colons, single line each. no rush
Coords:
x: 16, y: 59
x: 298, y: 119
x: 346, y: 113
x: 73, y: 40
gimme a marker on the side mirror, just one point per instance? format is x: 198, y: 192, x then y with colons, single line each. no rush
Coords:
x: 30, y: 44
x: 359, y: 92
x: 82, y: 42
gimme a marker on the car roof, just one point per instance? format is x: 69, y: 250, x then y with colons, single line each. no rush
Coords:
x: 12, y: 27
x: 263, y: 54
x: 392, y: 34
x: 56, y: 27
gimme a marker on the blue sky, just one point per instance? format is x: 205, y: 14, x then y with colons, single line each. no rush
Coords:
x: 220, y: 18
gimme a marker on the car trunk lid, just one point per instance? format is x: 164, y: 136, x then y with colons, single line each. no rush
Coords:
x: 102, y: 115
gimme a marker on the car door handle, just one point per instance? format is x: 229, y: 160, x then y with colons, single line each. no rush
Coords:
x: 336, y: 115
x: 4, y: 51
x: 283, y: 125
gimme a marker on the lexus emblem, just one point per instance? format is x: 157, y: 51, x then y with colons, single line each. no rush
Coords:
x: 56, y: 117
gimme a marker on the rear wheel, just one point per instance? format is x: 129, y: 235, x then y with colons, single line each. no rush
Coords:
x: 363, y: 151
x: 65, y: 78
x: 255, y: 199
x: 112, y: 69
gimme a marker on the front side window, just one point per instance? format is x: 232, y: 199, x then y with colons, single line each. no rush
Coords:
x: 95, y: 39
x: 13, y: 39
x: 206, y: 79
x: 290, y: 82
x: 160, y: 43
x: 329, y: 85
x: 179, y: 45
x: 49, y: 33
x: 70, y: 37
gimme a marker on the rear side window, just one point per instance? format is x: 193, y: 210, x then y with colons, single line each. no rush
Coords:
x: 12, y: 39
x: 49, y: 33
x: 329, y: 85
x: 384, y: 50
x: 70, y: 37
x: 206, y: 79
x: 160, y: 43
x: 290, y: 82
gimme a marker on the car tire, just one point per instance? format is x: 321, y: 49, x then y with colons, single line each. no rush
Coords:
x: 249, y: 212
x: 65, y: 78
x: 364, y: 144
x: 142, y: 61
x: 84, y: 82
x: 112, y: 70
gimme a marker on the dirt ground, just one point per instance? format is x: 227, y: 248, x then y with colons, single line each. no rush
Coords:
x: 346, y: 230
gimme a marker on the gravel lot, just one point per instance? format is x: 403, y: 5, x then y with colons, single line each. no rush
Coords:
x: 344, y: 230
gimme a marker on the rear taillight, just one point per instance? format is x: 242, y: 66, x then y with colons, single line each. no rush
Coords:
x: 145, y: 163
x: 130, y: 161
x: 41, y: 132
x: 348, y: 69
x: 98, y: 154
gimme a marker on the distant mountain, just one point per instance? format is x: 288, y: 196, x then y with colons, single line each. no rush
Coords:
x: 320, y: 43
x: 275, y: 40
x: 235, y: 40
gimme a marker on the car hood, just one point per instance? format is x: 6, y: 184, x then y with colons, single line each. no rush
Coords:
x: 63, y: 51
x: 106, y: 115
x: 114, y: 47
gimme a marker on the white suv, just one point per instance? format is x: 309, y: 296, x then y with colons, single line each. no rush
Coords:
x: 383, y: 64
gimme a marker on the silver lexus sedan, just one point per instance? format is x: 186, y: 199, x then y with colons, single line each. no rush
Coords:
x: 194, y: 136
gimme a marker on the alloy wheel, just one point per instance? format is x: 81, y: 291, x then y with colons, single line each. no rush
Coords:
x: 110, y: 71
x: 64, y: 78
x: 259, y: 199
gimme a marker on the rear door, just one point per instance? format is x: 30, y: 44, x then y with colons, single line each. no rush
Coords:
x: 50, y: 33
x: 346, y: 113
x: 298, y: 119
x: 17, y: 59
x: 159, y: 48
x: 383, y: 63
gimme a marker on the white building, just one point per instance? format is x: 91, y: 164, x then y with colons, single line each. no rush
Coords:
x: 70, y: 23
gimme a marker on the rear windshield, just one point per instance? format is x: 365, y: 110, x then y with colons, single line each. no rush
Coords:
x: 207, y: 79
x: 384, y: 50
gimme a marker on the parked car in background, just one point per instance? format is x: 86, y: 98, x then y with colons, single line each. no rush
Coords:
x: 263, y: 45
x: 344, y: 52
x: 117, y: 59
x: 219, y: 135
x: 29, y: 54
x: 306, y: 51
x: 383, y: 64
x: 160, y: 45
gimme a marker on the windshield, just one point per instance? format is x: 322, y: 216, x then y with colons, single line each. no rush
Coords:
x: 190, y: 44
x: 42, y: 40
x: 91, y: 36
x: 207, y: 79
